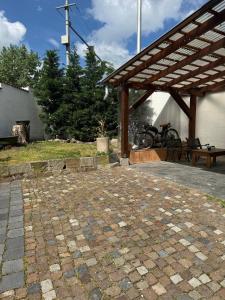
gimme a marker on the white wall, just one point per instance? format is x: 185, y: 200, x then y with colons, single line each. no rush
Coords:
x: 19, y: 105
x: 210, y: 124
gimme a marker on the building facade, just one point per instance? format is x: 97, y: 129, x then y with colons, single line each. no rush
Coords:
x: 19, y: 105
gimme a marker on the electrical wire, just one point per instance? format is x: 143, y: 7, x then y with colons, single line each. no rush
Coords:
x: 80, y: 37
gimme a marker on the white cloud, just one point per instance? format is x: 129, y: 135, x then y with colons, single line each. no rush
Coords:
x: 118, y: 19
x: 39, y: 8
x: 54, y: 43
x: 10, y: 32
x: 111, y: 52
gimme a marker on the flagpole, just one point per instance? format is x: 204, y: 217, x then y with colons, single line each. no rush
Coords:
x: 139, y: 23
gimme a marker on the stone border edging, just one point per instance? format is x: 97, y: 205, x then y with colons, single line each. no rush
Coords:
x: 81, y: 164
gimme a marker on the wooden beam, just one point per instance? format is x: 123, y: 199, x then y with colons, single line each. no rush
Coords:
x: 192, y: 120
x: 204, y: 80
x: 124, y: 98
x: 185, y: 39
x: 198, y: 71
x: 141, y: 100
x: 187, y: 61
x: 180, y: 102
x: 139, y: 86
x: 217, y: 89
x: 212, y: 88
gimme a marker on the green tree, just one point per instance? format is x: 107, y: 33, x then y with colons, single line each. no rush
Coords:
x: 49, y: 91
x: 94, y: 107
x: 18, y: 66
x: 71, y: 99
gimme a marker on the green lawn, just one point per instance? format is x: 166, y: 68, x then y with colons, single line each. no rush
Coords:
x: 46, y: 150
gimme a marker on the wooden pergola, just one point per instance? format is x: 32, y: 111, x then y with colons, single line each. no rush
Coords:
x: 187, y: 61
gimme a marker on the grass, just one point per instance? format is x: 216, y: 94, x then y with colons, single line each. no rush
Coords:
x: 215, y: 199
x: 40, y: 151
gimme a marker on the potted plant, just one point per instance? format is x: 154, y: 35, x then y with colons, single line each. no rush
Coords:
x: 102, y: 140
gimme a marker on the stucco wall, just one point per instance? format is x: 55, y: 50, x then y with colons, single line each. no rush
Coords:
x: 16, y: 104
x: 210, y: 125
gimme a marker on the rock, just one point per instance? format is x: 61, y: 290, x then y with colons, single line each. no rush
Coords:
x: 124, y: 162
x: 114, y: 165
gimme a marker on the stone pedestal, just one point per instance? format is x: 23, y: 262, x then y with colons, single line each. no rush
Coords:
x: 103, y: 144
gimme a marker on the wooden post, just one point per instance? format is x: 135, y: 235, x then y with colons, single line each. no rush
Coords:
x: 192, y: 119
x: 124, y: 116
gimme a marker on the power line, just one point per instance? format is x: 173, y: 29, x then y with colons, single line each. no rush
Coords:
x: 76, y: 32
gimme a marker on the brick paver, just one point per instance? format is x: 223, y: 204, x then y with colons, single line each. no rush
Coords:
x: 11, y: 236
x: 116, y: 234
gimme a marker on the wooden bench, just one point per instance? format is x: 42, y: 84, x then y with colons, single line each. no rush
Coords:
x: 8, y: 141
x: 210, y: 155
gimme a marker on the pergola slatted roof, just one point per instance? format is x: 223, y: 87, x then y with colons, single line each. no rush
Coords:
x: 188, y: 59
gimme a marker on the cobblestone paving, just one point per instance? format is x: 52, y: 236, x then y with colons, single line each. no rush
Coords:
x: 11, y: 236
x: 120, y: 234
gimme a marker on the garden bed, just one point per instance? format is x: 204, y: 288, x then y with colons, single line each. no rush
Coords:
x: 41, y: 151
x: 43, y: 157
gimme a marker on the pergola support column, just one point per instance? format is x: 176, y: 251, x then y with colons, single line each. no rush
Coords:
x: 124, y: 101
x: 192, y: 119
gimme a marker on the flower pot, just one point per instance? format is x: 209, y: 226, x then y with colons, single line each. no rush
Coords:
x: 103, y: 144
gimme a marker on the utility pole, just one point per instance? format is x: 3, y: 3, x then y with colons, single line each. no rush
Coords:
x: 65, y: 39
x: 139, y: 23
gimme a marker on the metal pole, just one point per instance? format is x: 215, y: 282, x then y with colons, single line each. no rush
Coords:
x: 139, y: 23
x: 67, y: 11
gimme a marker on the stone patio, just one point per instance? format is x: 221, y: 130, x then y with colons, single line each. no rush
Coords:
x: 112, y: 234
x: 210, y: 181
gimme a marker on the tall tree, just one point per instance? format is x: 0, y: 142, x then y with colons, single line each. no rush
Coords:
x: 96, y: 106
x: 71, y: 99
x: 49, y: 91
x: 18, y: 66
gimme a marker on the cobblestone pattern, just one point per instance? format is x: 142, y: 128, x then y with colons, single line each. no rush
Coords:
x: 120, y: 234
x: 11, y: 236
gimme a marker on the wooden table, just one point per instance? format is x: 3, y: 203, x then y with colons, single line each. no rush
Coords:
x: 210, y: 155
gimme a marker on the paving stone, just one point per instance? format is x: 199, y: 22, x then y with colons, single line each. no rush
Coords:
x: 195, y: 295
x: 69, y: 274
x: 201, y: 256
x: 34, y: 288
x: 15, y: 233
x: 142, y: 270
x: 194, y: 282
x: 49, y: 295
x: 113, y: 291
x: 15, y: 225
x: 54, y: 268
x: 95, y: 294
x: 12, y: 266
x: 46, y: 286
x: 14, y: 243
x: 91, y: 262
x: 13, y: 254
x: 204, y: 278
x: 125, y: 284
x: 142, y: 285
x: 159, y: 289
x: 176, y: 278
x: 12, y: 281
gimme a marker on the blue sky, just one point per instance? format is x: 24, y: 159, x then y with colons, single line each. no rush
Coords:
x: 110, y: 25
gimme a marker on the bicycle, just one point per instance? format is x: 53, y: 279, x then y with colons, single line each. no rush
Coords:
x: 149, y: 136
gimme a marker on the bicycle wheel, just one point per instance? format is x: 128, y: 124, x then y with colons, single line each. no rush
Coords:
x: 170, y: 135
x: 144, y: 140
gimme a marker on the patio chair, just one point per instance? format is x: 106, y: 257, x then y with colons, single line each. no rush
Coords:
x: 174, y: 149
x: 193, y: 144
